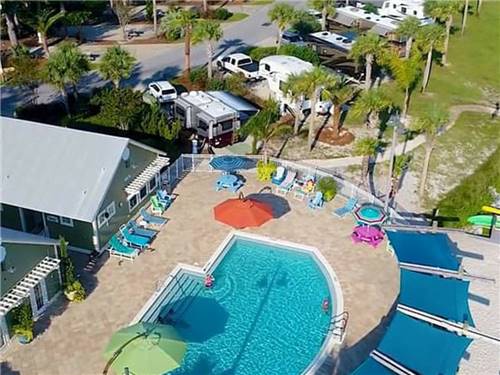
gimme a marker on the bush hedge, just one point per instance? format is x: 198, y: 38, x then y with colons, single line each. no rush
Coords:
x: 467, y: 198
x: 328, y: 187
x: 302, y: 52
x: 222, y: 14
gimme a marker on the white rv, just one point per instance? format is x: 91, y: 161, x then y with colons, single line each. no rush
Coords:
x: 276, y: 70
x: 401, y: 9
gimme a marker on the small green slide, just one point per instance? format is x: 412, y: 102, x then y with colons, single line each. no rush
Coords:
x: 483, y: 221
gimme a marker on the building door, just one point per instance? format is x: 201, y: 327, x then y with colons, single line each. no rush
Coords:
x: 38, y: 297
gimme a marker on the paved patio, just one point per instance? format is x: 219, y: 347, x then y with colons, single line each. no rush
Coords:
x: 71, y: 338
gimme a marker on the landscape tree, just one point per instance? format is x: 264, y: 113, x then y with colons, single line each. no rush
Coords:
x: 42, y: 22
x: 183, y: 20
x: 429, y: 124
x: 371, y: 103
x: 122, y: 12
x: 401, y: 163
x: 116, y: 64
x: 263, y: 127
x: 429, y: 39
x: 26, y: 71
x: 209, y: 31
x: 367, y: 148
x: 283, y: 15
x: 311, y: 84
x: 293, y: 88
x: 443, y: 10
x: 339, y: 93
x: 66, y: 66
x: 155, y: 122
x: 406, y: 72
x: 326, y: 7
x: 9, y: 9
x: 77, y: 19
x: 408, y: 30
x: 368, y: 48
x: 120, y: 108
x: 464, y: 16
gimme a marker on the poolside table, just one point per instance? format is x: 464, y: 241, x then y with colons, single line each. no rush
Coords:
x: 367, y: 234
x: 228, y: 181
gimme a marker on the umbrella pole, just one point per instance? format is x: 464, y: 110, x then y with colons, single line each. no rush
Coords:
x: 119, y: 351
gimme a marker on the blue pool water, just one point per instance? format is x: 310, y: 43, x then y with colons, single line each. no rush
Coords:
x: 263, y: 316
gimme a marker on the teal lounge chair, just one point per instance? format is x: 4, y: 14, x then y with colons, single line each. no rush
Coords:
x: 316, y: 202
x: 347, y: 208
x: 119, y: 249
x: 134, y: 239
x: 136, y: 229
x: 152, y: 219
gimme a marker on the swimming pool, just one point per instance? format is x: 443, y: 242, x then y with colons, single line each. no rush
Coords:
x: 264, y: 314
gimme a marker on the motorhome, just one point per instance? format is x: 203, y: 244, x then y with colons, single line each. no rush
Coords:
x: 326, y: 43
x: 214, y: 116
x: 276, y: 70
x: 399, y: 9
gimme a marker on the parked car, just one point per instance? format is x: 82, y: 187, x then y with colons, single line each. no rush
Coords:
x: 239, y: 63
x: 163, y: 91
x: 292, y: 37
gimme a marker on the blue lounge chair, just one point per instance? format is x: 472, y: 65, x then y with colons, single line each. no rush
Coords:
x: 119, y: 249
x: 135, y: 229
x: 347, y: 208
x: 287, y: 184
x: 279, y: 175
x: 164, y: 198
x: 316, y: 201
x: 135, y: 240
x: 152, y: 219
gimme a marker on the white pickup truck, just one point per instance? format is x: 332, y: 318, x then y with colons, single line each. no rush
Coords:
x: 239, y: 63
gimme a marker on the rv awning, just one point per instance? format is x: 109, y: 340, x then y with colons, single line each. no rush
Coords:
x: 443, y: 297
x: 344, y: 19
x: 422, y: 348
x: 425, y: 249
x: 22, y: 289
x: 147, y: 174
x: 381, y: 30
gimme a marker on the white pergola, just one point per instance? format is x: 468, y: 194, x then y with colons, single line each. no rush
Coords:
x: 146, y: 175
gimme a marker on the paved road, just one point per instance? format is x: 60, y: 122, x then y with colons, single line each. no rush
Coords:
x: 161, y: 61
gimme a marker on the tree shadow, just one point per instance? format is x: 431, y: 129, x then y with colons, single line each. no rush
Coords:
x: 280, y: 205
x: 6, y: 369
x: 230, y: 45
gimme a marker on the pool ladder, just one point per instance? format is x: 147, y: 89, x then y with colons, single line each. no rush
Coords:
x: 338, y: 324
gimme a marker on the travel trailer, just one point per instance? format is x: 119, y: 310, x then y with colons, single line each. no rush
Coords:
x: 215, y: 116
x: 276, y: 70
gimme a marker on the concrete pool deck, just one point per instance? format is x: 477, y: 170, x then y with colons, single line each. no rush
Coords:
x: 71, y: 338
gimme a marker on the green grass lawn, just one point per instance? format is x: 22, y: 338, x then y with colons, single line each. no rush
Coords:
x: 458, y: 153
x: 259, y: 2
x: 238, y: 16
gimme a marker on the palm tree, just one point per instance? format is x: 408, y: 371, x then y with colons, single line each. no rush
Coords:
x: 311, y: 84
x: 443, y: 10
x: 209, y: 31
x: 326, y: 7
x: 368, y: 47
x: 263, y: 127
x: 408, y: 29
x: 478, y: 6
x: 122, y: 12
x: 65, y: 66
x: 367, y: 148
x: 184, y: 20
x: 155, y: 19
x: 283, y: 15
x: 429, y: 124
x: 293, y: 88
x: 464, y: 16
x: 406, y: 73
x: 42, y: 22
x: 339, y: 94
x: 9, y: 9
x: 429, y: 39
x: 372, y: 103
x: 116, y: 64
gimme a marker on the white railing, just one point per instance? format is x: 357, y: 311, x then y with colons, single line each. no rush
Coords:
x: 187, y: 163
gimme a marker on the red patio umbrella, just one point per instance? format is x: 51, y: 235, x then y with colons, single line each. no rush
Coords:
x: 243, y: 212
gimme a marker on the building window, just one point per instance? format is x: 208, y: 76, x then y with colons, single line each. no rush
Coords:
x: 104, y: 216
x: 52, y: 218
x: 415, y: 12
x: 227, y: 125
x: 143, y: 193
x: 153, y: 183
x: 66, y: 221
x: 132, y: 202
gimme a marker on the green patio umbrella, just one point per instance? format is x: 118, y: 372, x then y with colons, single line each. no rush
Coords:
x: 146, y: 349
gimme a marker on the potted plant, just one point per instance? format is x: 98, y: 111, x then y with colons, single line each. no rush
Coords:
x: 265, y: 170
x: 73, y: 288
x: 22, y: 319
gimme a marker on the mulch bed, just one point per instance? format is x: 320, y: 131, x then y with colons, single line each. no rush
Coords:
x: 328, y: 136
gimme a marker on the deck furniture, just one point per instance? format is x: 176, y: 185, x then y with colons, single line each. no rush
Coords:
x: 134, y: 239
x: 156, y: 206
x: 367, y: 234
x: 228, y: 181
x: 118, y: 249
x: 287, y: 184
x: 279, y: 175
x: 346, y: 209
x: 316, y: 202
x: 164, y: 198
x: 152, y: 219
x: 137, y: 230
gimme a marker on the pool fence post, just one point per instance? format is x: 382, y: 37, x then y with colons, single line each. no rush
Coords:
x: 177, y: 169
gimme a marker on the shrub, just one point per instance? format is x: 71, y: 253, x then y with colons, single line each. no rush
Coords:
x: 222, y: 14
x: 265, y: 171
x: 235, y: 84
x: 258, y: 53
x: 22, y: 321
x: 198, y: 75
x: 301, y: 52
x: 216, y: 84
x: 328, y: 187
x: 76, y: 291
x: 306, y: 24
